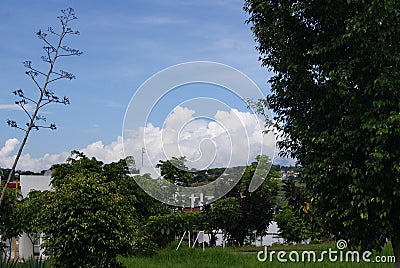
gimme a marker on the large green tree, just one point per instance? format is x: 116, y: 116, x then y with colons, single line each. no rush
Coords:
x: 95, y: 212
x: 335, y: 93
x: 87, y: 222
x: 116, y: 172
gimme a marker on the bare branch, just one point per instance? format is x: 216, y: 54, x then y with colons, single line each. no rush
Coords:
x: 51, y: 126
x: 41, y: 118
x: 34, y: 80
x: 27, y: 64
x: 45, y: 103
x: 22, y: 104
x: 14, y: 124
x: 41, y: 35
x: 72, y: 51
x: 21, y: 94
x: 51, y: 30
x: 48, y: 43
x: 67, y: 75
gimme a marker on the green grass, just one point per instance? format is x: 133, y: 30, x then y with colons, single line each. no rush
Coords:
x: 277, y: 247
x: 232, y: 257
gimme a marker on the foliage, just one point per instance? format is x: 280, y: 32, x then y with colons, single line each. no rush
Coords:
x: 145, y: 245
x: 117, y: 172
x: 29, y: 215
x: 55, y: 49
x: 256, y: 208
x: 299, y: 203
x: 8, y: 262
x: 238, y: 214
x: 227, y: 214
x: 335, y: 93
x: 292, y: 227
x: 34, y: 262
x: 164, y: 228
x: 139, y: 204
x: 87, y: 222
x: 9, y: 224
x: 175, y: 171
x: 295, y: 195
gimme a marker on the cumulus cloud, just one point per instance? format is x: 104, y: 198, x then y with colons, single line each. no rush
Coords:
x: 8, y: 147
x: 230, y: 138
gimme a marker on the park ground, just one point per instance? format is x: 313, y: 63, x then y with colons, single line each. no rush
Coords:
x: 242, y: 257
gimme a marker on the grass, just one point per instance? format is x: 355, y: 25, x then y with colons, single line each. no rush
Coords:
x: 243, y: 257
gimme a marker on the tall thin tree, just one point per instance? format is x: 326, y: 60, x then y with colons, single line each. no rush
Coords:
x: 54, y: 50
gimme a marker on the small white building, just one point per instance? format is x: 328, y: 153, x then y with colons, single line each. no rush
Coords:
x: 29, y: 183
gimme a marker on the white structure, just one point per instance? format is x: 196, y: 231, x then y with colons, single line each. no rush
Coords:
x: 29, y: 183
x: 272, y: 236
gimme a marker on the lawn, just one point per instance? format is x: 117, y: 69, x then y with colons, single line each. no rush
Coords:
x: 245, y: 257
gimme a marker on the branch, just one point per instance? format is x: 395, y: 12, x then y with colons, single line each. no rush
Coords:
x: 28, y: 65
x: 21, y: 94
x: 14, y: 124
x: 72, y: 51
x: 51, y: 126
x: 32, y: 75
x: 22, y: 105
x: 40, y: 117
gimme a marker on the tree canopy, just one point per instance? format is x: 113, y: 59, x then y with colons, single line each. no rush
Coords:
x: 175, y: 171
x: 87, y: 222
x: 335, y: 94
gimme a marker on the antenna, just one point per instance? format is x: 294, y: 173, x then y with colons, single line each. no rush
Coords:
x: 143, y: 151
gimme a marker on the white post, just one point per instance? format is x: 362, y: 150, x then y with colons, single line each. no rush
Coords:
x: 181, y: 240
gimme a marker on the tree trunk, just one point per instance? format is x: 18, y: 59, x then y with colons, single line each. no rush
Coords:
x: 396, y: 249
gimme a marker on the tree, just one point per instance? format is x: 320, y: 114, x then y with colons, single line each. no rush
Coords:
x: 9, y: 224
x: 292, y: 227
x: 335, y: 94
x: 241, y: 212
x: 227, y: 214
x: 257, y: 206
x: 116, y: 172
x: 165, y: 228
x: 175, y: 171
x: 55, y: 49
x: 87, y: 222
x: 29, y: 215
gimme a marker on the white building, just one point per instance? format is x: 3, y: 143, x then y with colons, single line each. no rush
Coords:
x: 28, y: 183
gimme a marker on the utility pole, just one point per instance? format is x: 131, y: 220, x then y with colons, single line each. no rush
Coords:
x: 143, y: 151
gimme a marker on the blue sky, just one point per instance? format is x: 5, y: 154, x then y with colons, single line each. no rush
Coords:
x: 123, y: 43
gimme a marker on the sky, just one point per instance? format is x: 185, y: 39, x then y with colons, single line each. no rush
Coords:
x: 125, y: 44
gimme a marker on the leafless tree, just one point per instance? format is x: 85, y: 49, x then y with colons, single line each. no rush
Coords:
x: 54, y: 50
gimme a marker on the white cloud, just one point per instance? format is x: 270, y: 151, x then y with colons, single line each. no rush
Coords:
x: 232, y: 138
x: 8, y: 147
x: 9, y: 107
